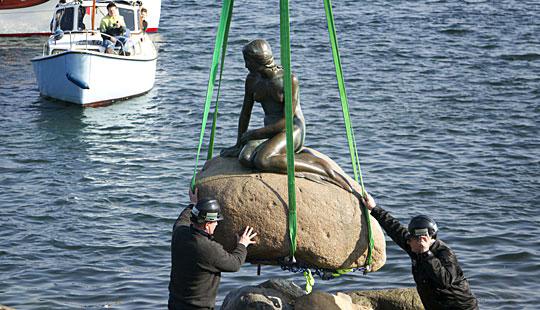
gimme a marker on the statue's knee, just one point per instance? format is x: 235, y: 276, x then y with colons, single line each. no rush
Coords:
x: 245, y: 160
x: 261, y: 163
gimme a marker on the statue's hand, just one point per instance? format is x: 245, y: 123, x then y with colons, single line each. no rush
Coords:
x: 232, y: 151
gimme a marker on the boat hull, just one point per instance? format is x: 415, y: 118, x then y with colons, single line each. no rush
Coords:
x: 92, y: 78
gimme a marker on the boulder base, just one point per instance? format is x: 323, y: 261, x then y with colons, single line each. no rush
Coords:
x: 325, y: 301
x: 391, y: 299
x: 276, y: 294
x: 331, y: 231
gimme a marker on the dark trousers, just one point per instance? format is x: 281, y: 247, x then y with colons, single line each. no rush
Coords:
x: 178, y: 305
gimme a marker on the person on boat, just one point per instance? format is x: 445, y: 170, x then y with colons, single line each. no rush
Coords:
x: 439, y: 279
x: 144, y: 23
x: 114, y: 28
x: 265, y: 148
x: 197, y: 260
x: 82, y: 13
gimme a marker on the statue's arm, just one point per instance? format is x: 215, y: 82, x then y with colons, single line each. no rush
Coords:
x: 295, y: 93
x: 243, y: 121
x: 247, y: 107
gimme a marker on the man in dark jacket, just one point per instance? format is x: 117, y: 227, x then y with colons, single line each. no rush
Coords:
x: 197, y: 260
x: 436, y: 271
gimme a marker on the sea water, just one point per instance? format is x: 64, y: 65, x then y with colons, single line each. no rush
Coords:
x: 444, y: 99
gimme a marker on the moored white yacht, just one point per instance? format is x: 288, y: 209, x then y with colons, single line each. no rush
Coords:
x: 75, y: 67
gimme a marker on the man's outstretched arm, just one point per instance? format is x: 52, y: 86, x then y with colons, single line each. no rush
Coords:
x: 391, y: 226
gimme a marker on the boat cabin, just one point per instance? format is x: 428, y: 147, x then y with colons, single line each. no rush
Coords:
x: 72, y: 27
x: 76, y: 15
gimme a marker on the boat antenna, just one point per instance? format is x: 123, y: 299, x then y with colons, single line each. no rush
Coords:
x: 93, y: 14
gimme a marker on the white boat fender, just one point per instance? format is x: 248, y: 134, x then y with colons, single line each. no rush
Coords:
x: 77, y: 82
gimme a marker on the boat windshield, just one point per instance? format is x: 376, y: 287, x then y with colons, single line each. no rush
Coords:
x: 64, y: 18
x: 129, y: 18
x: 128, y: 14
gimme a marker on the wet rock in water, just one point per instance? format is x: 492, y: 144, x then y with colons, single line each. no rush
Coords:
x: 283, y: 294
x: 331, y: 232
x: 2, y: 307
x: 389, y: 299
x: 319, y: 300
x: 272, y: 294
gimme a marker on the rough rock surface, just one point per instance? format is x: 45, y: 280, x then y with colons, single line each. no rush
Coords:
x: 325, y: 301
x: 272, y: 294
x: 390, y: 299
x: 276, y: 294
x: 331, y: 233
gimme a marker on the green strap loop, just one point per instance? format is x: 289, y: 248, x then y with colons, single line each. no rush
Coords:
x: 339, y: 272
x: 287, y: 92
x: 310, y: 281
x: 347, y: 118
x: 221, y: 37
x: 222, y: 64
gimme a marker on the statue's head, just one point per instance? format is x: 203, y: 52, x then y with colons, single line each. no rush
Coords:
x: 259, y: 52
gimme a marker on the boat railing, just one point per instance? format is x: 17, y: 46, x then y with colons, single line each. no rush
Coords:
x: 136, y: 42
x: 117, y: 41
x: 58, y: 35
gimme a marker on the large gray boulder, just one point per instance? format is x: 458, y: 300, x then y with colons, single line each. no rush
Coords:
x: 332, y: 232
x: 276, y: 294
x: 273, y: 294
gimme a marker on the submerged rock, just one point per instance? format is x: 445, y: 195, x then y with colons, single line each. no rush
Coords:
x: 325, y: 301
x: 283, y: 294
x: 272, y: 294
x: 331, y: 234
x: 389, y: 299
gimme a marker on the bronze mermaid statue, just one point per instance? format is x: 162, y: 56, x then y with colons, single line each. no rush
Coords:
x: 265, y: 148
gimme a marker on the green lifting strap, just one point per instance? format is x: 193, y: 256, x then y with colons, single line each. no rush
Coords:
x: 287, y: 92
x: 346, y: 117
x: 221, y: 37
x: 222, y: 64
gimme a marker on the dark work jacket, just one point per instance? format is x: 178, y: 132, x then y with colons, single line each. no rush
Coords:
x: 197, y: 262
x: 438, y: 276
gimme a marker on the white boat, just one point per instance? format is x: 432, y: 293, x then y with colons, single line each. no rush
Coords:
x: 75, y: 68
x: 33, y: 17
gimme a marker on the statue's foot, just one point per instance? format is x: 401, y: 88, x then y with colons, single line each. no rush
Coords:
x: 233, y: 151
